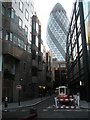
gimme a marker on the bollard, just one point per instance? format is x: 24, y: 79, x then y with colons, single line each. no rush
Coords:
x: 6, y: 102
x: 56, y: 102
x: 78, y: 99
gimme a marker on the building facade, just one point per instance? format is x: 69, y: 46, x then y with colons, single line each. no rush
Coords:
x: 59, y: 73
x: 86, y: 7
x: 37, y: 54
x: 49, y: 82
x: 57, y: 28
x: 77, y: 54
x: 16, y: 49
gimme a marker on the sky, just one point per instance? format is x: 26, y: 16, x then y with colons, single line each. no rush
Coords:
x: 43, y: 9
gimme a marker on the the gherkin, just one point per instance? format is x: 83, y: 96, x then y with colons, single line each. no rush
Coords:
x: 57, y: 29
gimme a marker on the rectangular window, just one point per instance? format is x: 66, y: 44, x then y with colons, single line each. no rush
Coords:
x: 7, y: 35
x: 41, y: 48
x: 19, y: 42
x: 0, y: 34
x: 15, y: 40
x: 30, y: 21
x: 25, y: 46
x: 29, y: 49
x: 11, y: 35
x: 3, y: 10
x: 11, y: 13
x: 33, y: 39
x: 36, y: 41
x: 26, y: 30
x: 26, y: 15
x: 37, y: 27
x: 21, y: 6
x: 20, y: 23
x: 22, y: 44
x: 29, y: 37
x: 34, y: 25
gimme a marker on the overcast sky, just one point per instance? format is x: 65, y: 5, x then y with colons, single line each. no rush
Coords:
x: 43, y: 9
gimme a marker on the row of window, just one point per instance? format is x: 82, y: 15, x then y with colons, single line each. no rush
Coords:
x: 21, y: 5
x: 11, y: 14
x: 21, y: 9
x: 17, y: 41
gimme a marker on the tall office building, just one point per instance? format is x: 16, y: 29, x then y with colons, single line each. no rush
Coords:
x: 78, y: 72
x: 86, y: 6
x: 16, y: 50
x: 57, y: 32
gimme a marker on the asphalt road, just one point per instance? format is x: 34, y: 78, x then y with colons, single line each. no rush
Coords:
x: 46, y: 110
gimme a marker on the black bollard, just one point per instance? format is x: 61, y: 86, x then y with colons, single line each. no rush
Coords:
x: 6, y: 102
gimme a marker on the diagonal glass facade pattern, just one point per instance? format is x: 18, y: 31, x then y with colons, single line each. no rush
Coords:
x: 57, y: 28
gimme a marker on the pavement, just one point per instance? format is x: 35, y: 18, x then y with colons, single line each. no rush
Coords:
x: 33, y: 102
x: 29, y: 103
x: 84, y: 104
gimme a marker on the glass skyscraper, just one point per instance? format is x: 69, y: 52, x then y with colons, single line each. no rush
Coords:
x: 57, y: 28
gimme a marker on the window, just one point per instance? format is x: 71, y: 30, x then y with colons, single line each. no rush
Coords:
x: 30, y: 21
x: 26, y: 30
x: 24, y: 46
x: 27, y: 15
x: 33, y: 39
x: 34, y: 25
x: 21, y: 6
x: 80, y: 42
x: 11, y: 13
x: 7, y: 35
x: 19, y: 42
x: 30, y: 36
x: 37, y: 27
x: 29, y: 48
x: 0, y: 34
x: 11, y: 36
x: 3, y: 10
x: 20, y: 22
x: 36, y: 41
x: 29, y: 40
x: 15, y: 40
x: 41, y: 48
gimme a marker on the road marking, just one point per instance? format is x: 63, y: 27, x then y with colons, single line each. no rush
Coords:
x: 45, y: 110
x: 13, y: 110
x: 23, y: 110
x: 27, y: 105
x: 49, y: 107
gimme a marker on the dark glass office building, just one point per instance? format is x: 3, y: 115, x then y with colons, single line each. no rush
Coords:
x: 77, y: 54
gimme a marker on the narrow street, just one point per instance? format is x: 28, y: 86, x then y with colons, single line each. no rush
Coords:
x: 46, y: 110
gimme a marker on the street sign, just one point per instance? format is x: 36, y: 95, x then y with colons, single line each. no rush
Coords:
x: 18, y: 87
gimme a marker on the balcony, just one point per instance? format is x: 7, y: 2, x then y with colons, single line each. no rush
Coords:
x: 14, y: 51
